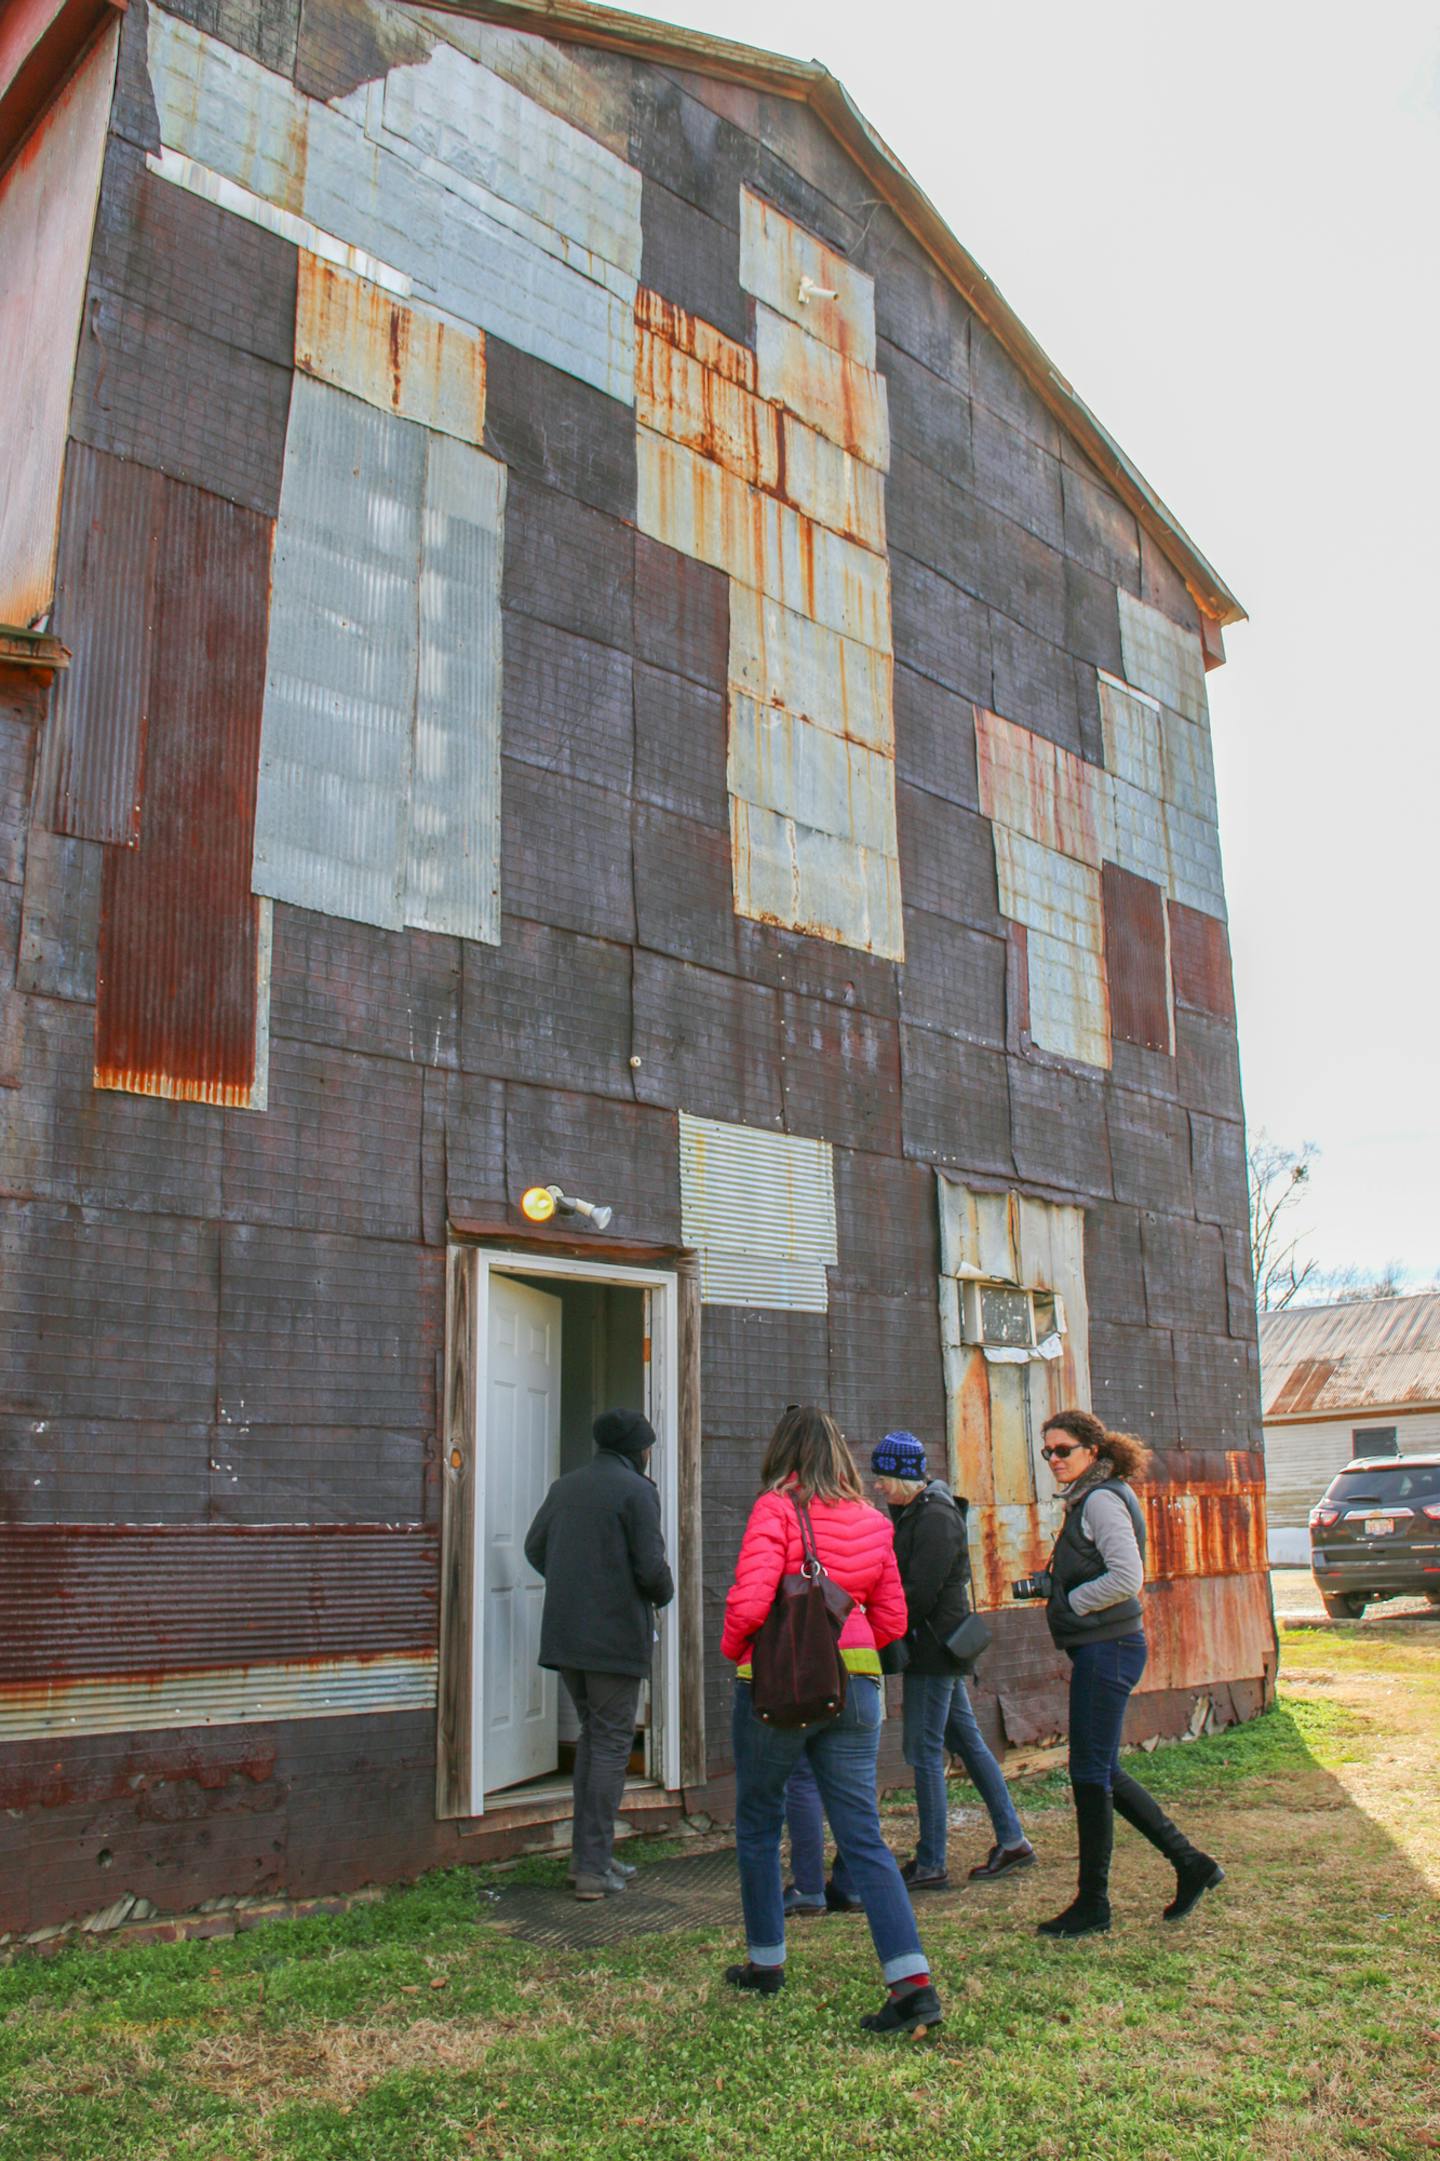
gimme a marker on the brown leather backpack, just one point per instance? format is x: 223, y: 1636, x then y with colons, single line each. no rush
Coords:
x: 797, y: 1672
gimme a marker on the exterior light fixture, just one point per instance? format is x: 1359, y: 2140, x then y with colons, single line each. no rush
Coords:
x: 540, y: 1203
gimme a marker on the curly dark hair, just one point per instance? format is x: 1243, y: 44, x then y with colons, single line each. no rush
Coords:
x: 1126, y: 1451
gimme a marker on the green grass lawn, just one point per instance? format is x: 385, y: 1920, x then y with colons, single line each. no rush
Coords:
x: 1296, y: 2014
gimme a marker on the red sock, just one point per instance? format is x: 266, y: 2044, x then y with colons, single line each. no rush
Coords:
x: 911, y: 1980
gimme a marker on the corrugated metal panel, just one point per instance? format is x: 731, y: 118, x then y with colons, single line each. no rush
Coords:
x: 87, y: 1599
x: 830, y: 486
x: 692, y: 335
x: 779, y: 762
x: 799, y: 277
x: 1196, y: 877
x: 1188, y: 776
x: 220, y: 1696
x: 761, y: 1208
x: 843, y: 400
x: 801, y: 879
x: 1137, y: 840
x: 1137, y: 959
x: 1048, y: 891
x: 181, y: 960
x: 1208, y: 1628
x: 977, y: 1235
x: 1069, y: 999
x: 453, y: 872
x: 1200, y: 959
x: 1371, y: 1354
x: 332, y: 814
x: 499, y: 138
x: 696, y: 506
x: 356, y: 336
x: 92, y: 752
x: 780, y: 658
x: 1040, y: 790
x: 679, y: 397
x: 420, y: 223
x: 1130, y: 725
x: 1162, y: 658
x: 47, y: 214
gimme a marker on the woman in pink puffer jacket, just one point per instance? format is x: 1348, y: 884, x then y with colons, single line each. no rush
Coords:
x: 807, y: 1462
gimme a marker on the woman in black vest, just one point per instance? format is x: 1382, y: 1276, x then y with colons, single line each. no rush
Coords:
x: 1092, y: 1593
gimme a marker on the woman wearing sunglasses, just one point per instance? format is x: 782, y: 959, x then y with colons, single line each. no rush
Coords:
x: 1092, y: 1592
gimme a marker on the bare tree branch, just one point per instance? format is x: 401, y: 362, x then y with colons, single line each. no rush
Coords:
x: 1278, y: 1177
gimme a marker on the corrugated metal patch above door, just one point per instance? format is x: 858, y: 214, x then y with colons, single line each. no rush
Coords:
x: 760, y: 1207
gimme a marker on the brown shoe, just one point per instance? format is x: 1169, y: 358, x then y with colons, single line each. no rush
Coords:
x: 1003, y: 1861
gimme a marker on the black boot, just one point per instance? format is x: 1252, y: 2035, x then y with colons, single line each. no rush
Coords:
x: 1090, y: 1913
x: 765, y: 1980
x: 1195, y: 1872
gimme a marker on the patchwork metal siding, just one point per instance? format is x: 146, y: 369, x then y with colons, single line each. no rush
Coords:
x: 1200, y: 958
x: 47, y: 214
x: 359, y: 338
x: 1137, y: 959
x: 794, y: 273
x: 1130, y: 726
x: 358, y: 181
x: 1196, y: 877
x: 781, y: 658
x: 761, y: 1209
x: 183, y: 966
x: 453, y: 862
x: 1161, y: 658
x: 220, y: 1696
x: 1038, y: 789
x: 91, y: 753
x: 331, y: 818
x: 833, y: 395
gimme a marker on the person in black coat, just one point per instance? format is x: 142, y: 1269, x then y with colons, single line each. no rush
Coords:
x: 597, y: 1542
x: 933, y: 1554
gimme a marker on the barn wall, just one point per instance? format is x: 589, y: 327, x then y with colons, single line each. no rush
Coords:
x: 222, y: 1292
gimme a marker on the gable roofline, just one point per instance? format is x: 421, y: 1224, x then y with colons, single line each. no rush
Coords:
x: 638, y: 37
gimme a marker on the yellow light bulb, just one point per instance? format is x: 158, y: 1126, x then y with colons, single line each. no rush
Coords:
x: 538, y: 1204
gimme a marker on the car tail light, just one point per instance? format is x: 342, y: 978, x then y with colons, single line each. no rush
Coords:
x: 1321, y: 1518
x: 1432, y: 1510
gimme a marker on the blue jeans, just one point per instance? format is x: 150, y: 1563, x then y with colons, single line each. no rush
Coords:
x: 939, y: 1716
x: 842, y: 1754
x: 1102, y: 1676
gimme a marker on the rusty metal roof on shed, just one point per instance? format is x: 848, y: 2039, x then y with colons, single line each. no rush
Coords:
x: 808, y: 82
x: 1371, y: 1354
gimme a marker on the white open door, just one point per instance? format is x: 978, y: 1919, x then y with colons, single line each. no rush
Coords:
x: 522, y: 1457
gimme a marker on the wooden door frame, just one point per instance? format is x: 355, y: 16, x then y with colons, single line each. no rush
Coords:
x: 675, y: 1369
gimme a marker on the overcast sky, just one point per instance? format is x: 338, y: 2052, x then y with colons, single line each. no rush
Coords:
x: 1223, y: 230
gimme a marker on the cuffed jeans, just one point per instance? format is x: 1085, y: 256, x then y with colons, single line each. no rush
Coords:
x: 1102, y: 1676
x: 842, y: 1755
x: 605, y: 1704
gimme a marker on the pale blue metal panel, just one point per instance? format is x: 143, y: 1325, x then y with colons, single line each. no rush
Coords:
x: 332, y: 814
x: 453, y: 872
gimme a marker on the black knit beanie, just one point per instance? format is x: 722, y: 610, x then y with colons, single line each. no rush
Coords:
x: 628, y: 1433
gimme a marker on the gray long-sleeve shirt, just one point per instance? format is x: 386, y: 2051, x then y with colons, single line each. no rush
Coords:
x: 1105, y: 1520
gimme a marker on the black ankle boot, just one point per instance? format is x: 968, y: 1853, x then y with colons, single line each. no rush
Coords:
x: 1089, y: 1914
x: 911, y: 2012
x: 765, y: 1980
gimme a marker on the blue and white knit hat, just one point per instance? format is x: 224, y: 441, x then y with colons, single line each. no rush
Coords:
x: 899, y: 1455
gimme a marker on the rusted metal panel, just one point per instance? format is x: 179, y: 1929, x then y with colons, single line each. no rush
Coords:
x: 183, y: 963
x: 453, y: 859
x: 1038, y: 789
x: 781, y: 658
x: 331, y: 819
x: 1131, y: 728
x: 1136, y: 959
x: 760, y: 1207
x: 1200, y: 958
x: 660, y: 320
x: 695, y: 505
x: 837, y: 397
x: 680, y: 397
x: 779, y: 762
x: 1162, y: 659
x: 794, y: 273
x: 823, y: 883
x: 1048, y: 891
x: 92, y: 752
x: 402, y: 359
x: 91, y: 1599
x: 251, y: 1694
x: 1207, y: 1629
x: 830, y: 486
x: 48, y: 196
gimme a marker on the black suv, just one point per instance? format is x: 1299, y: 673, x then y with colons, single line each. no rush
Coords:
x: 1376, y: 1534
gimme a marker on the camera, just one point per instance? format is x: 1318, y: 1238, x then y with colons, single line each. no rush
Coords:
x: 1036, y: 1586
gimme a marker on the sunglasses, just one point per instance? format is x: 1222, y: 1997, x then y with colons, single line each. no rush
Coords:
x: 1062, y: 1449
